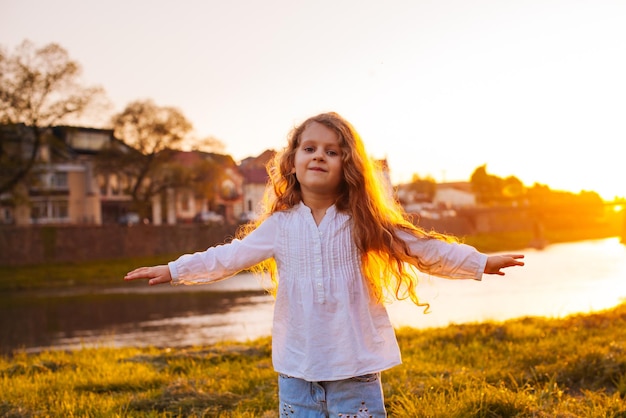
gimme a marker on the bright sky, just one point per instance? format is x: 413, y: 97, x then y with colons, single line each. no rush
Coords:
x: 532, y: 88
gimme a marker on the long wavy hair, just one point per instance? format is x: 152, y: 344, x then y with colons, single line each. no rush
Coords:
x: 376, y: 217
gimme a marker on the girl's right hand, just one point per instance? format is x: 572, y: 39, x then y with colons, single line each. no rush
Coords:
x: 155, y: 274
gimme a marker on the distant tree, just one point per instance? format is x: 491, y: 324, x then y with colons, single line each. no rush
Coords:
x: 563, y: 209
x: 513, y: 188
x: 486, y: 187
x: 155, y: 134
x: 39, y: 88
x: 423, y: 186
x: 542, y: 196
x: 491, y: 189
x: 208, y: 144
x: 202, y: 176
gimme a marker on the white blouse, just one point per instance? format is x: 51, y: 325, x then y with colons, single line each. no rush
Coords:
x: 326, y: 326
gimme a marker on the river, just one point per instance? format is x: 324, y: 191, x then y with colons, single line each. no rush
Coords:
x: 560, y: 280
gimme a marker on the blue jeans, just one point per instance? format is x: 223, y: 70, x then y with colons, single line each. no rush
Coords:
x: 356, y: 397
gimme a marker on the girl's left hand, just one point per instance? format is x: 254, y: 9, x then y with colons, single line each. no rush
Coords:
x: 497, y: 262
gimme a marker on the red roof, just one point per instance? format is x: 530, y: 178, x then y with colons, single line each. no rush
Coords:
x: 254, y: 170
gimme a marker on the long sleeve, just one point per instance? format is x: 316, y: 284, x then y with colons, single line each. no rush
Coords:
x: 447, y: 260
x: 223, y: 261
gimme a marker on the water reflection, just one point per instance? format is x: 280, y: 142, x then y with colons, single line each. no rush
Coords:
x: 561, y: 280
x: 228, y: 318
x: 558, y: 281
x: 163, y: 316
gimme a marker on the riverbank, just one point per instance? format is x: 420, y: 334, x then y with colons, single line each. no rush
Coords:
x: 103, y: 273
x: 524, y: 367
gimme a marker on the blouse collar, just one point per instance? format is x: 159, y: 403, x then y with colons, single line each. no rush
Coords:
x: 305, y: 210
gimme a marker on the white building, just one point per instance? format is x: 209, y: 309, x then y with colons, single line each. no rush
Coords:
x: 454, y: 195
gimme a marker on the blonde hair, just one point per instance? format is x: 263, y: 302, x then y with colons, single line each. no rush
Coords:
x: 376, y: 217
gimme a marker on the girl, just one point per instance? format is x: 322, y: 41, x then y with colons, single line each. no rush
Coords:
x: 339, y: 245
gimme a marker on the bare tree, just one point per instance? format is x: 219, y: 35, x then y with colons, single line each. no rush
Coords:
x: 39, y: 88
x: 156, y: 133
x: 208, y: 144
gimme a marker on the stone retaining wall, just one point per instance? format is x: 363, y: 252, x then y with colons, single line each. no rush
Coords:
x: 51, y: 244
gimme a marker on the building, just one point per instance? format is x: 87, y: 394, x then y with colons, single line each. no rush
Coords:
x: 65, y: 186
x: 62, y: 187
x: 254, y: 172
x: 454, y: 195
x: 217, y: 189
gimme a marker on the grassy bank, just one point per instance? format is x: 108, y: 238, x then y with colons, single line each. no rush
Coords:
x: 572, y: 367
x: 60, y: 275
x: 513, y: 241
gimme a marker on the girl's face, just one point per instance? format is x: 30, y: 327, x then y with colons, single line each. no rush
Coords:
x: 318, y: 161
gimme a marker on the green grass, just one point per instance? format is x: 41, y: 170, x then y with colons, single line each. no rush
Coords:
x: 60, y: 275
x: 530, y: 367
x: 512, y: 241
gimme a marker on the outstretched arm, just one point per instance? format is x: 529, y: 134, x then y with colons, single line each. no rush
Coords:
x: 155, y: 274
x: 497, y: 262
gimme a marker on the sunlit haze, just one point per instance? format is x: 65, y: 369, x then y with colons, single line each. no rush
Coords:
x: 533, y: 89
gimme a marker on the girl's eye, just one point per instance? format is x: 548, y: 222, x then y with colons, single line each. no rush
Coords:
x: 308, y: 149
x: 332, y: 153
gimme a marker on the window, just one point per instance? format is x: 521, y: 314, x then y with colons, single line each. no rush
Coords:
x: 50, y: 211
x: 58, y: 180
x: 59, y: 209
x: 88, y: 140
x: 39, y: 210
